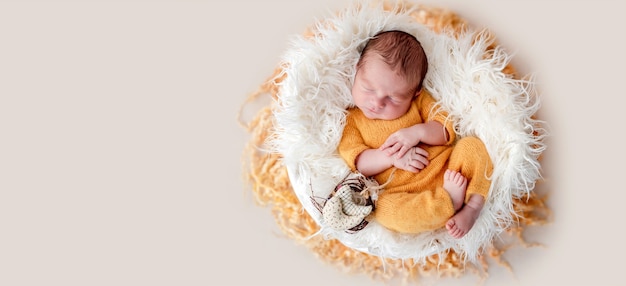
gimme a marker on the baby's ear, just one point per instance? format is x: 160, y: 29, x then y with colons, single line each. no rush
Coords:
x: 417, y: 93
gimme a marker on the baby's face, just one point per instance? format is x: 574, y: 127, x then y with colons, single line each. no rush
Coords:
x: 379, y: 91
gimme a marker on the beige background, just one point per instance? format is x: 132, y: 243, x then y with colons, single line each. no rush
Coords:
x: 120, y: 150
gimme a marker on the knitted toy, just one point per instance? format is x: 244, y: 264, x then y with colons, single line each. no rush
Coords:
x: 350, y: 203
x: 293, y: 165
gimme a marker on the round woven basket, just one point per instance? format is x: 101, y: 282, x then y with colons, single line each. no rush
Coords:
x: 271, y: 186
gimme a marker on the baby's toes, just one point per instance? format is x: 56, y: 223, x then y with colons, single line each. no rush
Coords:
x: 450, y: 224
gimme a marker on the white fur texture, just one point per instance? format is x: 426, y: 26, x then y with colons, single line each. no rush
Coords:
x: 480, y: 98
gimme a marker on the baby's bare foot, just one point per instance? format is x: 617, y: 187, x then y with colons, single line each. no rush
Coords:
x: 455, y: 184
x: 461, y: 223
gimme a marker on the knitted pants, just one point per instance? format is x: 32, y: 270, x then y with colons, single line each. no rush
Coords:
x: 425, y: 205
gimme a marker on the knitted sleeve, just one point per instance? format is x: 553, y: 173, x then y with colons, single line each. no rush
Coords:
x: 351, y: 144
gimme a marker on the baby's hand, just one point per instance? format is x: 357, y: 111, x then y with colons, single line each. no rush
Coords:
x: 400, y: 142
x: 413, y: 161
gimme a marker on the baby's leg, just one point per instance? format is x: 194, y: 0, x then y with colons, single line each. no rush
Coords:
x: 470, y: 157
x: 462, y: 222
x: 455, y: 184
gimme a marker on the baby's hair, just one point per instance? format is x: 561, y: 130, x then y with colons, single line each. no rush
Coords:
x: 399, y: 50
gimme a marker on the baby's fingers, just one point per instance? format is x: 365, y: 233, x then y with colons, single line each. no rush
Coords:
x: 421, y: 151
x: 410, y: 166
x: 412, y: 169
x: 402, y: 151
x: 392, y: 149
x: 391, y: 140
x: 419, y: 163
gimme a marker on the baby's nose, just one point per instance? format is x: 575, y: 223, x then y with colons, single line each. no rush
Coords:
x: 377, y: 103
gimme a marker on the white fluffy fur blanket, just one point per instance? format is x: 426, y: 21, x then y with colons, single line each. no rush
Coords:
x: 464, y: 76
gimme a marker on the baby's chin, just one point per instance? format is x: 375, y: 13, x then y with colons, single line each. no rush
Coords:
x: 370, y: 115
x: 374, y: 116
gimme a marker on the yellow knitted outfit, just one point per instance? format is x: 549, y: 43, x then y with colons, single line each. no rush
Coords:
x: 416, y: 202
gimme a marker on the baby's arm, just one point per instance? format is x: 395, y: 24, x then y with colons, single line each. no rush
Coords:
x: 374, y: 161
x: 398, y: 143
